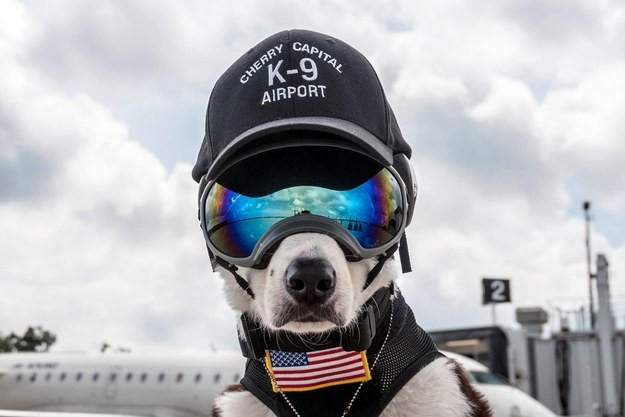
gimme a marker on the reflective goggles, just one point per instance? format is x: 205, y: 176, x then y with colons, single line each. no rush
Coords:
x: 366, y: 219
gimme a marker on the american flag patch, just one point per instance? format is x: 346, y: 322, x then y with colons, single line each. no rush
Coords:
x: 305, y: 371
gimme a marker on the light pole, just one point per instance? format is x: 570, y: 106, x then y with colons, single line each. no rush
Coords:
x: 586, y: 207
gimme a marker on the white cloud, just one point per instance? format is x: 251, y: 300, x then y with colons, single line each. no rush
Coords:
x: 584, y: 123
x: 105, y: 244
x: 513, y: 112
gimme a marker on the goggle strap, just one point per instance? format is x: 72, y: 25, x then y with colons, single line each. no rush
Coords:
x: 404, y: 255
x: 238, y: 278
x: 378, y: 267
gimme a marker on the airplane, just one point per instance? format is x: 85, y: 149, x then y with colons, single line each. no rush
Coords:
x: 504, y: 399
x: 137, y: 385
x: 174, y: 385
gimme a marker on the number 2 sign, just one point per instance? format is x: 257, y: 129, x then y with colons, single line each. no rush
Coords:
x: 495, y: 290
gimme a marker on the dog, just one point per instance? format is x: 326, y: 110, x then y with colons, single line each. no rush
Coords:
x: 309, y: 288
x: 324, y: 326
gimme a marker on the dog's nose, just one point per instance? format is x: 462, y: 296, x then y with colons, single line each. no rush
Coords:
x: 310, y: 281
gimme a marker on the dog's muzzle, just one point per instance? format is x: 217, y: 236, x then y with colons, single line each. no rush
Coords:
x: 310, y: 283
x: 255, y: 339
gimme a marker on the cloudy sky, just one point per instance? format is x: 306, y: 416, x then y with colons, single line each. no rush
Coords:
x: 514, y: 110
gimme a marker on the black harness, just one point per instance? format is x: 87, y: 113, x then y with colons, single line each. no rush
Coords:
x: 408, y: 350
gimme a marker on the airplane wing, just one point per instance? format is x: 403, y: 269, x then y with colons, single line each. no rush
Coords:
x: 29, y: 413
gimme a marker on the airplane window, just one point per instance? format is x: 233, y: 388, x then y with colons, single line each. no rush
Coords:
x: 161, y: 377
x: 487, y: 378
x: 144, y: 376
x: 217, y: 378
x: 78, y: 376
x: 198, y: 378
x: 95, y: 377
x: 33, y: 377
x: 62, y: 376
x: 236, y: 378
x: 48, y: 376
x: 179, y: 378
x: 113, y: 377
x: 18, y: 377
x: 129, y: 377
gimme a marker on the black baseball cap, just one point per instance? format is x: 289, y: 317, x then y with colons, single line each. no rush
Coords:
x: 298, y: 80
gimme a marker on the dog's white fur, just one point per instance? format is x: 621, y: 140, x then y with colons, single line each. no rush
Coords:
x: 272, y: 298
x: 435, y: 391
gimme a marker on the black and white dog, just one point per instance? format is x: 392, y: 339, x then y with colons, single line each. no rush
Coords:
x: 308, y: 287
x: 305, y: 193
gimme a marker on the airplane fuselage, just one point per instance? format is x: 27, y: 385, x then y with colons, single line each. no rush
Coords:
x: 177, y: 386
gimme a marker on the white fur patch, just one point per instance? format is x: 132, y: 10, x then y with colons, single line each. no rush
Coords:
x: 241, y: 404
x: 433, y: 392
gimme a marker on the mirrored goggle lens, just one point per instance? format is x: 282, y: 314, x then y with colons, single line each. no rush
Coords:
x: 371, y: 212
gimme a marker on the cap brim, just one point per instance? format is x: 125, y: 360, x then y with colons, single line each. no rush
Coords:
x: 362, y: 138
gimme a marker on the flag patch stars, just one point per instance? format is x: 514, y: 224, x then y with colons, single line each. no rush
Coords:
x: 282, y: 359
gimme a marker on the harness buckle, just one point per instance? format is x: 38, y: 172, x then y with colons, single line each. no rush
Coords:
x: 361, y: 335
x: 253, y: 347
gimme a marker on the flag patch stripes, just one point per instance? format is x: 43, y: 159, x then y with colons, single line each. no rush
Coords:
x: 305, y: 371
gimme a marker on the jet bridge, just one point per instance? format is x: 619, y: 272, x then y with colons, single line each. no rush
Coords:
x: 577, y: 373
